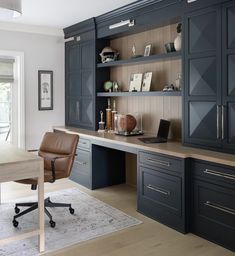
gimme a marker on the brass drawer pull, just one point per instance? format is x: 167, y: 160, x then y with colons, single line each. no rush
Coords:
x: 156, y: 189
x: 158, y: 162
x: 219, y: 174
x: 220, y: 208
x: 81, y: 163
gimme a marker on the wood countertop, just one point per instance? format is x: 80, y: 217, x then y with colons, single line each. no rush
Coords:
x: 170, y: 148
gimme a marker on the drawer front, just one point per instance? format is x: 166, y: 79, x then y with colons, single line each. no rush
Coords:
x: 214, y: 210
x: 160, y: 161
x: 213, y: 172
x: 84, y: 144
x: 82, y: 162
x: 81, y: 171
x: 161, y: 189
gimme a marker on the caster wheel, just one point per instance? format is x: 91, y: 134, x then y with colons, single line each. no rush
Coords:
x: 52, y: 223
x: 71, y: 210
x: 15, y: 223
x: 17, y: 210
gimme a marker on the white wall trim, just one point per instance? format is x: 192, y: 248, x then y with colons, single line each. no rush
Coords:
x: 34, y: 29
x: 19, y: 57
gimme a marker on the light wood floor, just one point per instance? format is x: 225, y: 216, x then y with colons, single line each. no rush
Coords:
x: 148, y: 239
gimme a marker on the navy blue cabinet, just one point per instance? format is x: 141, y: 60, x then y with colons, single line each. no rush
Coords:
x: 202, y: 64
x: 209, y: 64
x: 213, y: 208
x: 80, y: 59
x: 228, y: 76
x: 161, y: 189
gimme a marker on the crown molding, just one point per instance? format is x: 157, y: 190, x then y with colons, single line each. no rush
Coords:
x: 79, y: 28
x: 33, y: 29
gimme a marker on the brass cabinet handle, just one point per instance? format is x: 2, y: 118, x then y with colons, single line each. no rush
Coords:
x: 219, y: 174
x: 220, y: 207
x: 160, y: 162
x: 156, y: 189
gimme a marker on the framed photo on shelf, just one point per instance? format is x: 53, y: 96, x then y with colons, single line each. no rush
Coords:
x: 147, y: 50
x: 45, y: 90
x: 135, y: 82
x: 147, y: 81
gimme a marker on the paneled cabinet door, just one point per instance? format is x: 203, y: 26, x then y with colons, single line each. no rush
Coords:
x: 79, y: 84
x: 202, y: 64
x: 72, y: 83
x: 228, y: 79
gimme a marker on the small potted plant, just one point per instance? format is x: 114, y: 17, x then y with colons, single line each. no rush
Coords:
x: 178, y: 39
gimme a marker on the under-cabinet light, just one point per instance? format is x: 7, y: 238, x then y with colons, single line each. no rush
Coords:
x: 130, y: 23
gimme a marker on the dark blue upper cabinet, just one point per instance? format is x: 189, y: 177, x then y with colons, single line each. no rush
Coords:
x: 80, y: 61
x: 202, y: 65
x: 228, y: 79
x: 209, y: 64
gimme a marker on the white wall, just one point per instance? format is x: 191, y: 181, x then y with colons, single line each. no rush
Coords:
x: 41, y: 52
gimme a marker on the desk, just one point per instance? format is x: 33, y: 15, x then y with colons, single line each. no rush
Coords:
x: 188, y: 189
x: 16, y: 164
x: 133, y: 145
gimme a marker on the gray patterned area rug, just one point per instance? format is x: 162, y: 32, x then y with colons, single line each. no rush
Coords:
x: 92, y: 219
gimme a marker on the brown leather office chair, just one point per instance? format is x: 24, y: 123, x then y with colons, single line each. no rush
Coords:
x: 58, y: 151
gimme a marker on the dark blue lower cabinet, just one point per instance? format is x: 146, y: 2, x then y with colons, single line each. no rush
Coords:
x: 82, y: 168
x: 161, y: 191
x: 213, y: 208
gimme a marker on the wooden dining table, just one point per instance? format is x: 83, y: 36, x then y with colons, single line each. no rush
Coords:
x: 17, y: 164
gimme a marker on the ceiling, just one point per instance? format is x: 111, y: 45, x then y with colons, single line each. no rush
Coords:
x: 63, y: 13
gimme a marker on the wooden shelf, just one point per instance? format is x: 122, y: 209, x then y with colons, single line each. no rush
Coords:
x: 133, y: 61
x: 131, y: 94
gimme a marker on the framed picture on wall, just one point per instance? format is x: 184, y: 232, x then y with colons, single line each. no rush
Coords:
x: 45, y: 90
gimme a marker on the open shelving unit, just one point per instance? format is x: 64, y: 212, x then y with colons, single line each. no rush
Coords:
x: 138, y: 60
x: 131, y: 94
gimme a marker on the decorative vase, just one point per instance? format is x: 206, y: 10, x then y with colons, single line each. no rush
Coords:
x: 177, y: 42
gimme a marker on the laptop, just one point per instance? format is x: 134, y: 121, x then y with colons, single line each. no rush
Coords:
x: 162, y: 134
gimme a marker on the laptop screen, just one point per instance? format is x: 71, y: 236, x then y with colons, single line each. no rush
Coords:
x: 163, y: 129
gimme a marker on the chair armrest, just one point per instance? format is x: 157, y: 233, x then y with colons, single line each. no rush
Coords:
x: 53, y: 160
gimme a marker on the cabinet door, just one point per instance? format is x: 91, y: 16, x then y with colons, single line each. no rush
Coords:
x: 79, y: 84
x: 202, y: 64
x: 72, y: 83
x: 228, y: 71
x: 213, y: 213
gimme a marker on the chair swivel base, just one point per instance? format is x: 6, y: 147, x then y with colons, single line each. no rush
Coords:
x: 34, y: 205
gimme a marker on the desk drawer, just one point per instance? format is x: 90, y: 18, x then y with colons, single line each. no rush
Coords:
x: 160, y: 161
x: 213, y: 173
x: 84, y: 144
x: 81, y: 171
x: 161, y: 189
x: 214, y: 213
x: 160, y: 197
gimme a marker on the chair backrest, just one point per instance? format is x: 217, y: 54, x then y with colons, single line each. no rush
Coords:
x: 60, y: 145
